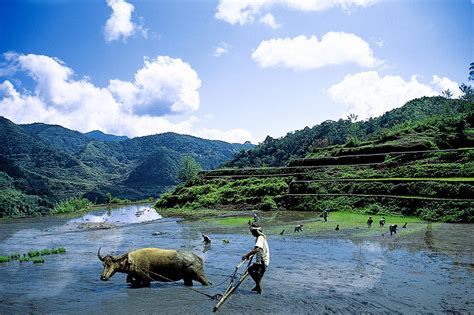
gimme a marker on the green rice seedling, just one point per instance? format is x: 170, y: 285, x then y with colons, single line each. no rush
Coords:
x: 54, y: 251
x: 24, y: 259
x: 45, y: 252
x: 61, y: 250
x: 37, y: 260
x: 33, y: 253
x: 4, y: 259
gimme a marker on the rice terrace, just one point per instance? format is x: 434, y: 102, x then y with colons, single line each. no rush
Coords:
x: 236, y: 157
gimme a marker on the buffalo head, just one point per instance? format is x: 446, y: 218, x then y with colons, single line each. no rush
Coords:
x: 111, y: 265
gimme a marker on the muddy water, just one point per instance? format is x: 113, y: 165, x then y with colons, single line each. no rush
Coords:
x: 428, y: 271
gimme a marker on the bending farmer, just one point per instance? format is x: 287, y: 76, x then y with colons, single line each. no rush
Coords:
x: 262, y: 254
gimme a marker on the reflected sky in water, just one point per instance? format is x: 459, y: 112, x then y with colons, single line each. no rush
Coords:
x: 123, y: 215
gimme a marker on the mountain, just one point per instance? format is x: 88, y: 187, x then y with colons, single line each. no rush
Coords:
x: 57, y: 136
x: 298, y: 144
x: 422, y: 168
x: 42, y: 164
x: 99, y: 135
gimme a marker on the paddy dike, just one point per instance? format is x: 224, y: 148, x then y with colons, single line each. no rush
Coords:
x: 424, y: 268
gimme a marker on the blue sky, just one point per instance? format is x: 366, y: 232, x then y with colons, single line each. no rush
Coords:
x: 229, y: 70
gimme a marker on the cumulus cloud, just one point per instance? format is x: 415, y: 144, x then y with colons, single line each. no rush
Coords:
x: 120, y: 25
x: 245, y: 11
x: 368, y: 94
x: 222, y: 49
x: 443, y: 84
x: 269, y: 20
x: 304, y: 53
x: 237, y: 135
x: 163, y: 86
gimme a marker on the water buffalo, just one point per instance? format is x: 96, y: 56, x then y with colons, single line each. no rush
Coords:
x: 154, y: 264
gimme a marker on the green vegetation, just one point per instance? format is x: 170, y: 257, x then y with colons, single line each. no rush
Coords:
x: 71, y: 205
x: 36, y: 256
x: 116, y: 200
x: 423, y: 169
x: 251, y: 193
x: 37, y: 260
x: 41, y: 165
x: 188, y: 169
x: 298, y: 144
x: 34, y: 253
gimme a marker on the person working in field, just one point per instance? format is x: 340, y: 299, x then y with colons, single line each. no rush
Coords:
x: 262, y: 254
x: 369, y: 222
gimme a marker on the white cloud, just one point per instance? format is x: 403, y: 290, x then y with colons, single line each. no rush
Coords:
x: 164, y: 85
x: 379, y: 43
x: 120, y: 25
x: 269, y: 20
x: 302, y: 53
x: 368, y: 95
x: 222, y: 49
x: 443, y: 83
x: 237, y: 135
x: 245, y: 11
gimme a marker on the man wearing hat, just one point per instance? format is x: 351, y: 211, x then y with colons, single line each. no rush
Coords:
x: 262, y: 254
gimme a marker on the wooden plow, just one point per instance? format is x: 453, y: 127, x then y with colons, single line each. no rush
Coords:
x: 231, y: 287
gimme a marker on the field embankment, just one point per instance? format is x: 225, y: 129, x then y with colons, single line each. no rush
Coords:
x: 424, y: 169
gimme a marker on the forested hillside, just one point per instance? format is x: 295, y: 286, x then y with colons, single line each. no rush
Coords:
x: 300, y: 143
x: 422, y: 167
x: 42, y: 164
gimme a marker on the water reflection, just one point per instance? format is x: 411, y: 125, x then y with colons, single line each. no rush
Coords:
x: 429, y: 236
x: 124, y: 215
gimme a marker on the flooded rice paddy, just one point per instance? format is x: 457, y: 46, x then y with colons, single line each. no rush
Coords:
x: 429, y: 269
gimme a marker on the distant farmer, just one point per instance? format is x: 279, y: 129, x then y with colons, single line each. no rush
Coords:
x: 337, y: 228
x: 325, y: 214
x: 298, y: 228
x: 393, y: 229
x: 382, y: 221
x: 262, y: 254
x: 206, y: 239
x: 369, y: 222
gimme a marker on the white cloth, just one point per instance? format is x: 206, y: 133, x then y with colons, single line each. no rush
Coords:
x: 263, y: 255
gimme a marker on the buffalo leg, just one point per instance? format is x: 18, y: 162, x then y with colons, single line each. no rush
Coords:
x: 188, y: 281
x: 201, y: 278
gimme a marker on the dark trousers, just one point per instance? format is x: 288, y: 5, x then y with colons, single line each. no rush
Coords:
x: 256, y: 271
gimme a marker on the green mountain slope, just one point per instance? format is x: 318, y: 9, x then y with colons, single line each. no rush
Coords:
x: 297, y: 144
x: 420, y: 167
x: 48, y: 163
x: 99, y: 135
x: 57, y: 136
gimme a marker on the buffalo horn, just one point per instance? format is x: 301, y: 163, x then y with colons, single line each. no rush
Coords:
x: 98, y: 255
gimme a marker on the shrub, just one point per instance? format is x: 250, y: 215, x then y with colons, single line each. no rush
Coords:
x: 72, y: 205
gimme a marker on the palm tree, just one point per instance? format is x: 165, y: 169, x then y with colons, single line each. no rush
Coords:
x: 471, y: 72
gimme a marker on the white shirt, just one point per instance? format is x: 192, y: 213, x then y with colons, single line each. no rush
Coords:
x: 264, y: 252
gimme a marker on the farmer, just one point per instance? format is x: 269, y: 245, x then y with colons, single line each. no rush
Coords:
x: 393, y: 229
x: 206, y: 239
x: 382, y: 221
x: 325, y: 214
x: 255, y: 217
x: 262, y: 254
x: 369, y: 222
